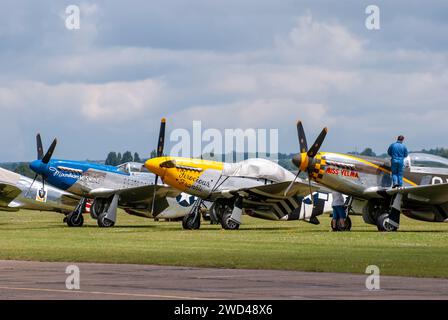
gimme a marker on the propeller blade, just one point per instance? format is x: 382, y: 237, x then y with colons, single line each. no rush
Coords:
x: 40, y: 149
x: 31, y: 185
x: 160, y: 147
x: 317, y: 144
x: 302, y: 137
x: 154, y: 195
x: 161, y: 141
x: 311, y: 190
x: 50, y: 151
x: 290, y: 185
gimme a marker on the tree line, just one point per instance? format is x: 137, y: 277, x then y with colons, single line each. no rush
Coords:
x: 115, y: 159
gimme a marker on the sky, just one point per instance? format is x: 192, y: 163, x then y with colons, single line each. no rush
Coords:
x: 259, y: 64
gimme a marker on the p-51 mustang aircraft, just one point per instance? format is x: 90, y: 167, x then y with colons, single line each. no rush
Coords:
x: 367, y: 180
x: 258, y: 187
x: 16, y: 192
x: 129, y: 186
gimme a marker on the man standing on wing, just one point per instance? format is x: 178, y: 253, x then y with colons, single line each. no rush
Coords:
x: 398, y: 152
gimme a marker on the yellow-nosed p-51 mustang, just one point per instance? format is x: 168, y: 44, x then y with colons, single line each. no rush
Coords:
x: 257, y: 187
x: 367, y: 181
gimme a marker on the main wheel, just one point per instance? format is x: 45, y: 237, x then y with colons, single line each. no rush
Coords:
x: 103, y: 222
x: 227, y: 223
x: 96, y: 208
x: 75, y: 220
x: 347, y: 225
x: 191, y: 222
x: 383, y: 225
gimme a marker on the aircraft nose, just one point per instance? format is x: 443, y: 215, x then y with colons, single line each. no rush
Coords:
x: 153, y: 165
x: 36, y: 166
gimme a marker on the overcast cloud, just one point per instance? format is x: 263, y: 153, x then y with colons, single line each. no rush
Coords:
x: 231, y: 64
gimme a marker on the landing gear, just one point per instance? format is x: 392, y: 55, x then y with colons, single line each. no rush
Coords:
x: 75, y: 218
x: 231, y: 216
x: 104, y: 222
x: 384, y: 223
x: 390, y: 221
x: 226, y: 221
x: 339, y: 227
x: 192, y: 221
x: 105, y: 209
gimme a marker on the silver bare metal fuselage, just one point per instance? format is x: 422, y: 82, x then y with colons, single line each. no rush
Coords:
x: 56, y: 200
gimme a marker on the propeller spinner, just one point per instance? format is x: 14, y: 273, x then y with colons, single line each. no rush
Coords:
x: 41, y: 159
x: 304, y: 159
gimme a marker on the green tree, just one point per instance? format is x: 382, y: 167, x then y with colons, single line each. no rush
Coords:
x: 127, y: 157
x: 24, y: 169
x: 119, y: 158
x: 153, y: 154
x: 111, y: 159
x: 368, y: 152
x: 137, y: 157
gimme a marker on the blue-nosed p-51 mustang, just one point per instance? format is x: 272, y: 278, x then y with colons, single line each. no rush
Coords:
x: 128, y: 186
x: 19, y: 192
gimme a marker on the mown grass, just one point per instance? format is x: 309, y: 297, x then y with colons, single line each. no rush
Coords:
x: 418, y: 249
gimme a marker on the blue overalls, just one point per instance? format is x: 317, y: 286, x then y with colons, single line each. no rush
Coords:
x: 398, y: 152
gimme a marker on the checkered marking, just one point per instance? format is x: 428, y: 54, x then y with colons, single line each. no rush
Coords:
x: 319, y: 167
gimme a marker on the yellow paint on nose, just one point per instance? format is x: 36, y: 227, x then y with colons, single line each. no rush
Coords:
x: 304, y: 161
x: 153, y: 165
x: 182, y: 173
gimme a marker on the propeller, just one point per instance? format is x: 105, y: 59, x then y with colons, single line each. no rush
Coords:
x: 160, y: 147
x: 42, y: 158
x: 304, y: 160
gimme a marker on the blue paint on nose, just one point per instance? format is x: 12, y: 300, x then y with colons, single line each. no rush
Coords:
x: 37, y: 166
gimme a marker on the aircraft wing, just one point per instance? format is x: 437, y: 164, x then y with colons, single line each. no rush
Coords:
x: 141, y: 196
x: 8, y: 193
x: 270, y: 191
x: 272, y: 198
x: 431, y: 194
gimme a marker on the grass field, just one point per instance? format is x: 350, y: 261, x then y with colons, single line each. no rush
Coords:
x: 418, y: 249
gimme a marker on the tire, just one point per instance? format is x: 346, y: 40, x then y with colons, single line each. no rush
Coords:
x: 96, y: 208
x: 93, y: 214
x: 347, y: 225
x: 74, y: 220
x: 227, y: 223
x: 191, y: 222
x: 382, y: 224
x: 103, y: 222
x: 334, y: 228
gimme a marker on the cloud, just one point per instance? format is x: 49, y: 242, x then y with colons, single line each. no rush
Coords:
x: 111, y: 102
x: 109, y: 82
x: 319, y: 42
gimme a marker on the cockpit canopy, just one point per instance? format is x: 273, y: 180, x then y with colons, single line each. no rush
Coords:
x: 427, y: 160
x: 259, y: 169
x: 132, y: 167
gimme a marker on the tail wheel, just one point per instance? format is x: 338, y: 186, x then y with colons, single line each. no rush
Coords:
x: 75, y: 220
x: 103, y: 222
x: 383, y: 223
x: 227, y: 223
